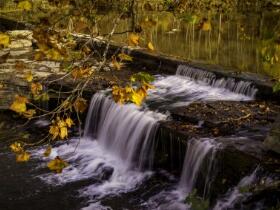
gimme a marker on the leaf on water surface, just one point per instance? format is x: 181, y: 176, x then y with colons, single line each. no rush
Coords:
x: 206, y: 26
x: 57, y: 165
x: 4, y: 40
x: 23, y: 157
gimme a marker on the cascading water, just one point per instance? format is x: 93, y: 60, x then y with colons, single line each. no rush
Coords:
x: 196, y: 154
x: 118, y: 143
x: 209, y: 78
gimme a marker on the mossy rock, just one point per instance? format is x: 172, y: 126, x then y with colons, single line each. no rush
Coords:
x: 272, y: 141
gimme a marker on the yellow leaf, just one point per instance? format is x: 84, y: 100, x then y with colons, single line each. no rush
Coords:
x: 54, y: 131
x: 16, y: 147
x: 150, y: 46
x: 48, y: 151
x: 61, y: 123
x: 25, y: 5
x: 54, y: 54
x: 137, y: 98
x: 116, y: 64
x: 29, y: 113
x: 69, y: 122
x: 79, y: 73
x: 57, y: 164
x: 36, y: 88
x: 29, y: 76
x: 133, y: 39
x: 63, y: 132
x: 206, y: 26
x: 23, y: 157
x: 125, y: 57
x: 4, y: 40
x: 80, y: 105
x: 19, y: 104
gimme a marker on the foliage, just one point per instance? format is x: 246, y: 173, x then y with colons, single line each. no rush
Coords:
x: 276, y: 87
x: 196, y: 202
x: 57, y: 24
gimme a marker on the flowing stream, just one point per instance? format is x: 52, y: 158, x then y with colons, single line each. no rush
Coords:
x: 116, y: 151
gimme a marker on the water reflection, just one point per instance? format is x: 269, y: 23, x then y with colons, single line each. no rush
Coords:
x: 248, y: 42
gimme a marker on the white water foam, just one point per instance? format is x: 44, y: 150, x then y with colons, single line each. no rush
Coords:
x: 173, y: 91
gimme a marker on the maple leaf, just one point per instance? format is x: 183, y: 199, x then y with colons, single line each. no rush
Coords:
x: 57, y: 164
x: 22, y: 157
x: 19, y: 104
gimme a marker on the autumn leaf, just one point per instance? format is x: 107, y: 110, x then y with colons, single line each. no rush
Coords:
x: 79, y: 73
x: 133, y: 39
x: 19, y: 104
x: 16, y: 147
x: 25, y: 5
x: 48, y: 151
x: 125, y: 57
x: 150, y: 46
x: 63, y: 132
x: 137, y: 98
x: 29, y: 113
x: 69, y: 122
x: 4, y: 40
x: 54, y: 131
x: 116, y: 64
x: 57, y: 165
x: 54, y: 54
x: 36, y: 88
x: 80, y: 105
x: 206, y: 26
x: 22, y: 157
x: 28, y: 76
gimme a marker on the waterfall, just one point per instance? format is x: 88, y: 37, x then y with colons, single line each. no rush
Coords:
x: 124, y: 130
x: 234, y: 196
x: 198, y: 152
x: 209, y: 78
